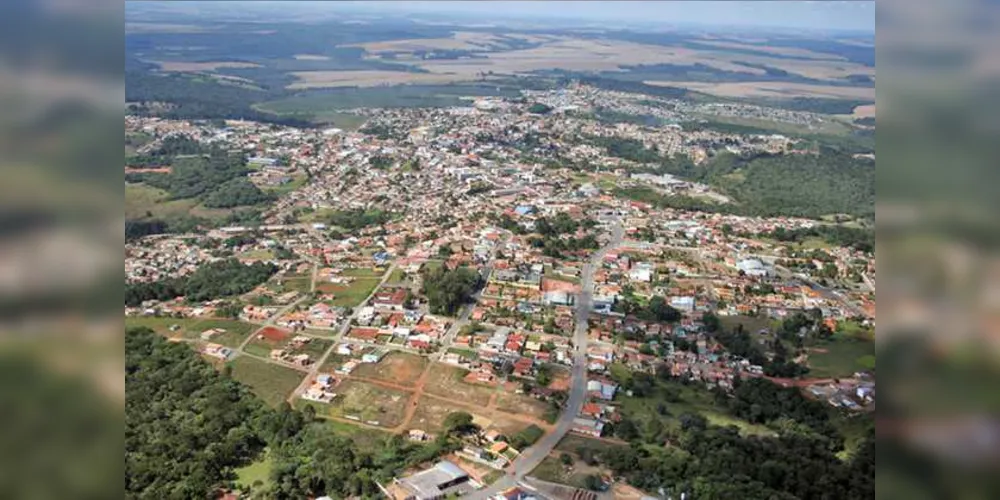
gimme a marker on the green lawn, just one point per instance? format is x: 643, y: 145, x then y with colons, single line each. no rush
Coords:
x: 142, y: 200
x: 841, y: 357
x: 270, y: 382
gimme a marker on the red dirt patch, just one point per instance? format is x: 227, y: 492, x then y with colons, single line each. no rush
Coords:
x: 273, y: 334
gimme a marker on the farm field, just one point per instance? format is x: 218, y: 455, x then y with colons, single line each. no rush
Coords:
x: 446, y: 381
x: 270, y: 382
x: 398, y: 368
x: 778, y: 90
x: 368, y: 403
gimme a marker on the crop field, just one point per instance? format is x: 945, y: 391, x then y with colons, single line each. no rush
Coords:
x: 780, y: 90
x: 446, y: 381
x: 202, y: 66
x: 270, y: 382
x: 867, y: 111
x: 398, y: 368
x: 372, y: 404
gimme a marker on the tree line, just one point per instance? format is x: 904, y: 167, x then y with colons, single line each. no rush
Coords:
x: 210, y: 281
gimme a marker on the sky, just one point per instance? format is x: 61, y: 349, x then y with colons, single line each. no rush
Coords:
x: 808, y: 15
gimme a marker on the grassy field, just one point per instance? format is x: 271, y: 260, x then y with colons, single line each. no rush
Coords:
x: 236, y: 331
x: 351, y: 295
x: 257, y: 472
x: 840, y: 357
x: 191, y: 328
x: 553, y: 471
x: 751, y: 324
x: 162, y: 325
x: 270, y: 382
x: 683, y: 399
x: 142, y: 201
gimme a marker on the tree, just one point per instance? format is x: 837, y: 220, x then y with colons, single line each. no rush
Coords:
x: 593, y: 482
x: 458, y: 422
x: 566, y: 459
x: 448, y: 290
x: 711, y: 322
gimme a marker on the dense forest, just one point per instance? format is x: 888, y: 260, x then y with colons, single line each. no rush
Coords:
x: 197, y: 98
x: 210, y: 281
x: 353, y: 220
x: 803, y: 185
x: 705, y: 461
x: 218, y: 180
x: 188, y: 426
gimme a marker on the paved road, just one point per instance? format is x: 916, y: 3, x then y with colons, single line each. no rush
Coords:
x: 533, y: 456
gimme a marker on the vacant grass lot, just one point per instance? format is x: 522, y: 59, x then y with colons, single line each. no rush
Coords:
x: 236, y: 331
x: 270, y: 382
x: 351, y: 295
x: 162, y: 325
x: 840, y: 358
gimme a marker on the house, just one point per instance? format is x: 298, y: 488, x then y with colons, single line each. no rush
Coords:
x: 602, y: 389
x: 588, y: 426
x: 390, y: 299
x: 442, y: 480
x: 217, y: 351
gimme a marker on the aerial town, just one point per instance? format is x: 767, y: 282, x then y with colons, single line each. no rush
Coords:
x: 494, y: 260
